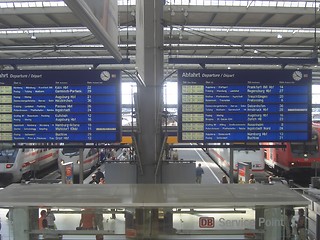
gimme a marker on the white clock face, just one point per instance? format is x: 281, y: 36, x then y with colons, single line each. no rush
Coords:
x: 105, y: 75
x: 297, y: 75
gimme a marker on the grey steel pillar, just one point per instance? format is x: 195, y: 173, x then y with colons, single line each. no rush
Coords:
x: 273, y: 223
x: 150, y: 100
x: 231, y: 174
x: 21, y: 222
x: 81, y: 162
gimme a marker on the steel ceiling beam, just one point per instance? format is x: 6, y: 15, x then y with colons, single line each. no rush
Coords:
x: 63, y: 61
x: 243, y: 60
x: 83, y: 12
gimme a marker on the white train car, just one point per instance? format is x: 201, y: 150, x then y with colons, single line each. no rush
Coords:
x: 21, y: 163
x: 252, y: 156
x: 71, y: 154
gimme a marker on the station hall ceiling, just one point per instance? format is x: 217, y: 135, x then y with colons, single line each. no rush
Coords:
x: 192, y: 29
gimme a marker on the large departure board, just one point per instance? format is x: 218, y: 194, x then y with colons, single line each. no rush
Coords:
x: 244, y: 105
x: 60, y: 106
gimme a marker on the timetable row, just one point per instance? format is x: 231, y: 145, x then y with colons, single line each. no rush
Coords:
x: 59, y: 118
x: 59, y: 108
x: 242, y: 108
x: 209, y: 127
x: 61, y: 137
x: 242, y: 98
x: 58, y: 127
x: 243, y: 136
x: 244, y: 89
x: 245, y: 117
x: 52, y: 90
x: 45, y: 99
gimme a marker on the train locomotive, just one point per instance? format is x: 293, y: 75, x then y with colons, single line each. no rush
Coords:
x: 250, y: 155
x: 21, y: 163
x: 70, y: 154
x: 295, y: 157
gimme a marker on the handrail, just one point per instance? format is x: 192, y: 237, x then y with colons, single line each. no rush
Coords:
x: 135, y: 145
x: 160, y: 158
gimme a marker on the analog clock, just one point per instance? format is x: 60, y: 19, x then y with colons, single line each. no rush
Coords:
x: 105, y: 75
x: 297, y: 75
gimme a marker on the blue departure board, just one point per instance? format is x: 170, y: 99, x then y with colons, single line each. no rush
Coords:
x: 60, y: 106
x: 244, y: 105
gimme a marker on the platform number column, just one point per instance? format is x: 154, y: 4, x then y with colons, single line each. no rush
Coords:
x: 89, y: 109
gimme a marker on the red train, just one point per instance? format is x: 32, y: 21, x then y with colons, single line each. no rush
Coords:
x: 296, y: 157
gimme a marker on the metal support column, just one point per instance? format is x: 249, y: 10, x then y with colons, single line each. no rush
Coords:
x: 81, y: 159
x: 21, y: 223
x: 150, y: 99
x: 231, y: 165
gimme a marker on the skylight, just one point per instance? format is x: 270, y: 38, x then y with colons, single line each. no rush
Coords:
x: 233, y: 3
x: 33, y: 4
x: 226, y: 3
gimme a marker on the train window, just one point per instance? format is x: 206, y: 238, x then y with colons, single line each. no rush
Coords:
x: 297, y: 147
x: 247, y: 146
x: 8, y: 155
x: 70, y: 151
x: 311, y: 147
x: 92, y: 152
x: 308, y: 147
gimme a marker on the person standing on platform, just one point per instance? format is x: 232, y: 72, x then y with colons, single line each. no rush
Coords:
x: 113, y: 154
x: 87, y: 221
x: 175, y: 155
x: 93, y: 179
x: 99, y: 222
x: 99, y: 216
x: 270, y: 180
x: 102, y: 156
x: 224, y: 179
x: 99, y: 175
x: 102, y: 181
x: 49, y: 236
x: 301, y: 225
x: 50, y: 219
x: 43, y: 215
x: 199, y: 172
x: 252, y: 179
x: 289, y: 212
x: 167, y: 151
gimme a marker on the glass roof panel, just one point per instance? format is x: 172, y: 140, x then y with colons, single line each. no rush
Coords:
x: 235, y: 3
x: 6, y: 5
x: 28, y: 4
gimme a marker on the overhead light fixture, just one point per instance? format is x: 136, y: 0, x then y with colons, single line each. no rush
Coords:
x: 33, y: 37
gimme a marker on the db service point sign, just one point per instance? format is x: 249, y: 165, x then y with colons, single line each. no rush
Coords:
x: 206, y: 222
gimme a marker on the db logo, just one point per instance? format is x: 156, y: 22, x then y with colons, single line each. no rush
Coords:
x: 206, y: 222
